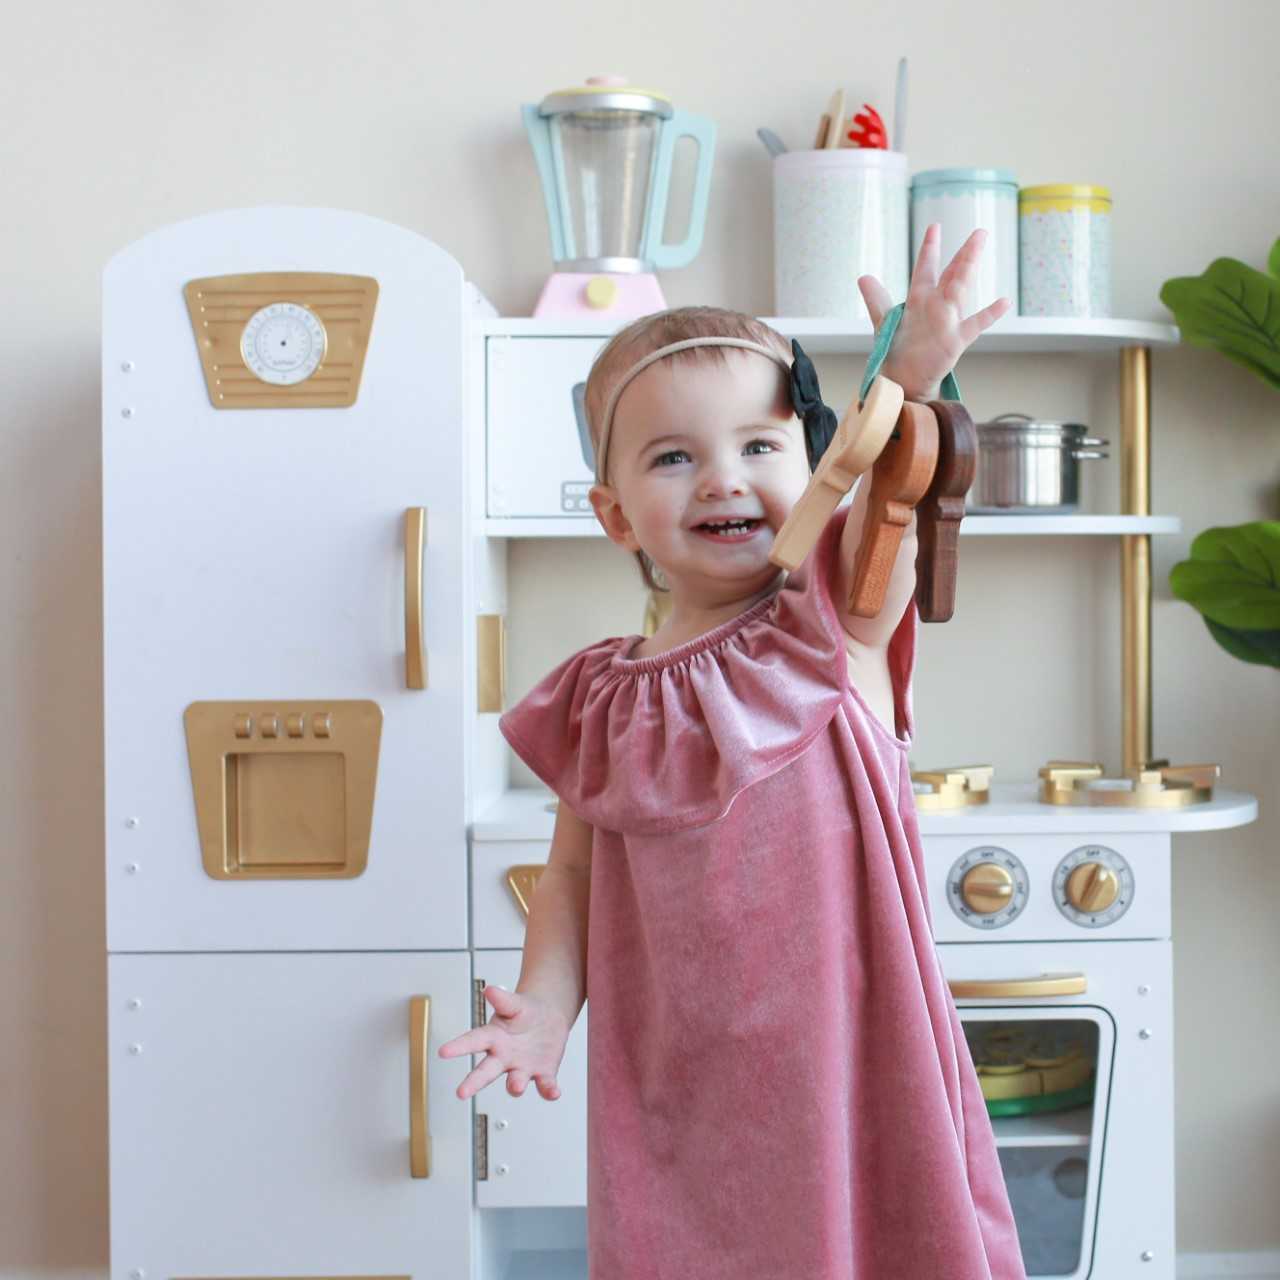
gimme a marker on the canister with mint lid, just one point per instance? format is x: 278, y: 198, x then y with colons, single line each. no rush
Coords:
x: 962, y: 200
x: 1064, y: 239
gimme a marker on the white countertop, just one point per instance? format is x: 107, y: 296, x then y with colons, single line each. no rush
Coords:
x: 522, y: 814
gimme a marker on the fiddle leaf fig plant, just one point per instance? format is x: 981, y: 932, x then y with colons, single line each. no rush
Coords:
x: 1233, y: 576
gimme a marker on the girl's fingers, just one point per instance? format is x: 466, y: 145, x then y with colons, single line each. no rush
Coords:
x: 487, y: 1072
x: 925, y: 274
x: 954, y: 281
x: 983, y: 319
x: 877, y: 298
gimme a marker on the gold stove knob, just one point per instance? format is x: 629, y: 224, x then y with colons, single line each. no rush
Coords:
x: 1092, y: 887
x: 987, y: 888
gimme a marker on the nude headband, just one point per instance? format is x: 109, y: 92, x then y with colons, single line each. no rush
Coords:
x: 602, y: 453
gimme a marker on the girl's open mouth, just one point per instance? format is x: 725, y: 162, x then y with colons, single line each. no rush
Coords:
x: 728, y: 530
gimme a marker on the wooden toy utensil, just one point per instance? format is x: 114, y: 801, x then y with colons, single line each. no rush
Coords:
x: 824, y: 128
x: 855, y: 446
x: 835, y: 109
x: 940, y: 511
x: 899, y: 479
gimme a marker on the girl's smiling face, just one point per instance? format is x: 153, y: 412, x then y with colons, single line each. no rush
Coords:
x: 693, y: 443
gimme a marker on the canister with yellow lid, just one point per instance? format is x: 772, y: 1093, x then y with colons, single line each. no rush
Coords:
x: 1064, y: 250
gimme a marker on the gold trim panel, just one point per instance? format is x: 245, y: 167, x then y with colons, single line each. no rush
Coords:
x: 221, y: 306
x: 491, y: 662
x: 284, y: 790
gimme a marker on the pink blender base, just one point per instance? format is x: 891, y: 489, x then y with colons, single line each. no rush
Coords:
x: 600, y: 295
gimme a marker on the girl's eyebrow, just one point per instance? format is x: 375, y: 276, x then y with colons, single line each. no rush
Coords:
x: 746, y: 426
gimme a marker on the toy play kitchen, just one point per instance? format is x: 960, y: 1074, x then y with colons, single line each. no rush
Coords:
x: 314, y: 857
x: 605, y: 153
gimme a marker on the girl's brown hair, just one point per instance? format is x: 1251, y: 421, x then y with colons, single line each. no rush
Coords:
x: 647, y: 334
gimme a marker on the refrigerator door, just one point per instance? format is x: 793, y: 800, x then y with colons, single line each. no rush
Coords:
x: 260, y: 1123
x: 285, y: 737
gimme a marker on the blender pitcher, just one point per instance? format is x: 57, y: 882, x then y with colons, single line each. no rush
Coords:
x: 604, y: 154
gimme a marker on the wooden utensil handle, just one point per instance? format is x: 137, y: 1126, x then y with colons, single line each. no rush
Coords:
x: 899, y: 479
x: 941, y: 510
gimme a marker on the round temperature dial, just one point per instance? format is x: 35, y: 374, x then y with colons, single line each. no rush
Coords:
x: 987, y: 887
x: 1093, y: 886
x: 284, y: 343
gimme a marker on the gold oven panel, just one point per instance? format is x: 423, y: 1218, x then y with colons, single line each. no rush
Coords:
x: 284, y: 790
x: 340, y: 309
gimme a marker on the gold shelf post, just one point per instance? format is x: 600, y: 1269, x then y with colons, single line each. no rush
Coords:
x: 1135, y: 554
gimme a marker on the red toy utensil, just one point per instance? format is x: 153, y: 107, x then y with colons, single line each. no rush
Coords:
x: 870, y: 131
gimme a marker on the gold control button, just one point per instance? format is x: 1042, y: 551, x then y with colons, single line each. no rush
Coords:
x: 987, y: 888
x: 269, y: 725
x: 601, y: 292
x: 244, y: 726
x: 295, y: 724
x: 1092, y: 887
x: 320, y: 725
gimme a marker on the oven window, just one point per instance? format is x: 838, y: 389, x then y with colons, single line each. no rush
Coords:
x: 1040, y: 1079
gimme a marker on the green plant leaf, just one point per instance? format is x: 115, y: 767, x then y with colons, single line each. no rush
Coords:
x: 1249, y: 646
x: 1233, y: 309
x: 1233, y: 576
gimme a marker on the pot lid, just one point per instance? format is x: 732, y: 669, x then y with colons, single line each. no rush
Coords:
x: 606, y: 93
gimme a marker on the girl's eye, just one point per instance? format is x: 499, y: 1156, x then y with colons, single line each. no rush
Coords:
x: 660, y: 460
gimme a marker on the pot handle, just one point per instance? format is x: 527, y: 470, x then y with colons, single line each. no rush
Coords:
x: 1085, y: 454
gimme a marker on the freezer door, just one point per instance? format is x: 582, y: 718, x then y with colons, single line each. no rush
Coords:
x: 284, y: 746
x: 262, y: 1117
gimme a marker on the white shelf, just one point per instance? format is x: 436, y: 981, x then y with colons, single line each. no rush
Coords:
x: 1047, y: 1129
x: 970, y: 526
x: 522, y: 813
x: 837, y: 336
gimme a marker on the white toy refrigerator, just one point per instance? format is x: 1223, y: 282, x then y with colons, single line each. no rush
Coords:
x: 289, y: 620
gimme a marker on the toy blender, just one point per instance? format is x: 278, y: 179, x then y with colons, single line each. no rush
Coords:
x: 604, y: 153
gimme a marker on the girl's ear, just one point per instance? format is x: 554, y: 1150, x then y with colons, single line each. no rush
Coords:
x: 613, y: 520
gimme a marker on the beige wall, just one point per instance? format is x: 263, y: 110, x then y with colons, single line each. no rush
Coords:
x: 121, y: 118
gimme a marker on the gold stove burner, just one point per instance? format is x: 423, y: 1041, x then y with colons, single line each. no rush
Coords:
x: 1158, y: 786
x: 954, y: 787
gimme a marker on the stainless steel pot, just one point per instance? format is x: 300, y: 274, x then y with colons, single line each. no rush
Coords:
x: 1028, y: 465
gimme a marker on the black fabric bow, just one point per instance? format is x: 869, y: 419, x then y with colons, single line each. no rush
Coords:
x: 820, y: 422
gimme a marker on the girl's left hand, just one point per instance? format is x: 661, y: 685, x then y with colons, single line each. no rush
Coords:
x: 932, y: 335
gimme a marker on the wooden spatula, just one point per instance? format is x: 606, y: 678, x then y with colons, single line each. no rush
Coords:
x: 856, y: 445
x: 899, y: 479
x: 940, y: 511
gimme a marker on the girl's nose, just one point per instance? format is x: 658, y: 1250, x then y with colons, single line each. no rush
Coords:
x: 721, y: 476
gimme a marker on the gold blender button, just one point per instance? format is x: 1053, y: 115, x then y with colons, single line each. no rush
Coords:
x: 601, y: 292
x: 295, y: 724
x: 269, y: 725
x: 320, y: 725
x: 243, y: 726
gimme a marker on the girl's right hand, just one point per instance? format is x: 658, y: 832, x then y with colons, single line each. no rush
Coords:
x: 526, y: 1038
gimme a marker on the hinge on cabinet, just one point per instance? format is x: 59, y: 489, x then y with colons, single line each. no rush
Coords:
x: 478, y: 1015
x: 482, y: 1147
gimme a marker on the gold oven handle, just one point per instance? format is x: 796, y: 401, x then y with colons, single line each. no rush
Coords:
x: 415, y: 661
x: 419, y: 1129
x: 1048, y: 984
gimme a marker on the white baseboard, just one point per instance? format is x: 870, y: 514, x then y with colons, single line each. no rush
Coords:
x: 1264, y: 1265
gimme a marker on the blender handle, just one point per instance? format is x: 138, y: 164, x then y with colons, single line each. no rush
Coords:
x: 703, y: 132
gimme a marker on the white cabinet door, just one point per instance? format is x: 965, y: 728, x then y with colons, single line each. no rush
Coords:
x: 260, y: 1117
x: 259, y: 554
x: 537, y: 1150
x: 536, y: 465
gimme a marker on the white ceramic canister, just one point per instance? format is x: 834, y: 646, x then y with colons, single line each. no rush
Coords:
x: 837, y: 215
x: 1064, y: 238
x: 962, y: 200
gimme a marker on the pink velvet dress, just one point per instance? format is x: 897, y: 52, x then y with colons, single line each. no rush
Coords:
x: 779, y: 1084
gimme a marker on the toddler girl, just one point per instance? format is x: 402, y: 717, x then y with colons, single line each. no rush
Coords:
x: 779, y: 1086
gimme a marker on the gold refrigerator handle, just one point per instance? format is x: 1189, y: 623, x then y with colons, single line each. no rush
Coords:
x: 1048, y: 984
x: 419, y: 1129
x: 415, y: 661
